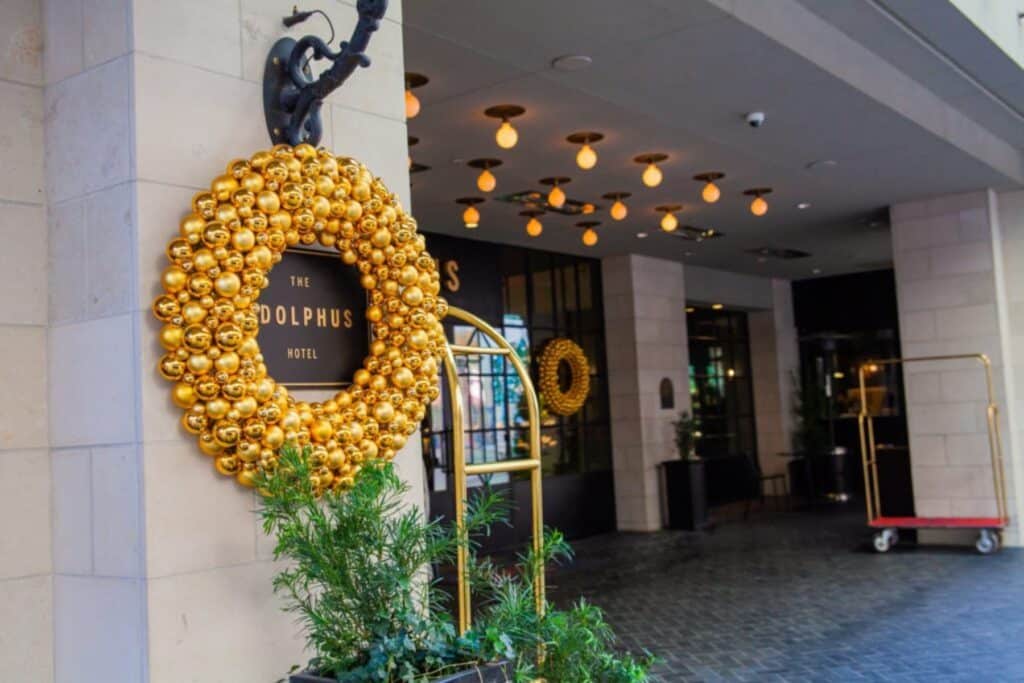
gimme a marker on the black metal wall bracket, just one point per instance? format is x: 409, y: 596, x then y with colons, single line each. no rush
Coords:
x: 292, y: 97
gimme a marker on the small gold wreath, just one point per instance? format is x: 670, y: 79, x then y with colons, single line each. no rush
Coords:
x: 228, y: 244
x: 555, y: 400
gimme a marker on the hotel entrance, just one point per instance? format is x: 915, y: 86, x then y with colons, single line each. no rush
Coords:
x: 531, y: 297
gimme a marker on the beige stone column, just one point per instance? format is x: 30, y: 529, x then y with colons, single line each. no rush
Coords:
x: 774, y: 361
x: 162, y: 574
x: 956, y: 294
x: 26, y: 565
x: 645, y: 338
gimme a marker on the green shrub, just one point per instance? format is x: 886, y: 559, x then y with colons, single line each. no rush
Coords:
x: 358, y: 581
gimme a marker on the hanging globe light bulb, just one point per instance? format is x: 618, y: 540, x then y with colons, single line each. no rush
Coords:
x: 589, y: 237
x: 533, y: 226
x: 471, y: 215
x: 588, y: 209
x: 669, y: 222
x: 710, y: 192
x: 586, y: 158
x: 651, y: 176
x: 412, y: 103
x: 486, y: 181
x: 556, y: 197
x: 759, y: 206
x: 618, y: 210
x: 507, y: 136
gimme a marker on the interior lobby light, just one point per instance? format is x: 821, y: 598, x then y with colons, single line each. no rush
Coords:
x: 651, y: 176
x: 669, y: 222
x: 556, y: 197
x: 506, y: 135
x: 586, y: 157
x: 717, y: 307
x: 618, y: 210
x: 412, y: 103
x: 486, y: 181
x: 711, y: 192
x: 759, y: 206
x: 471, y: 216
x: 533, y: 226
x: 589, y: 234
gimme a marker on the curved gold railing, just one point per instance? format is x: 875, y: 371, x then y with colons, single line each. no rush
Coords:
x: 463, y: 470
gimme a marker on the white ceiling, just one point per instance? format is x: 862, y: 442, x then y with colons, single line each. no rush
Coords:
x: 675, y: 76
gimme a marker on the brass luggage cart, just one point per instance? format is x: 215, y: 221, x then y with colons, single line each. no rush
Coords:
x: 887, y: 534
x: 463, y: 470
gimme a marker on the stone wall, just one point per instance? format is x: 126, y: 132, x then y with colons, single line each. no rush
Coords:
x: 645, y: 330
x: 26, y: 565
x: 774, y: 363
x: 162, y: 574
x: 951, y: 291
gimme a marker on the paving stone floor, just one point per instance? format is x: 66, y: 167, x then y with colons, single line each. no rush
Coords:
x: 797, y: 596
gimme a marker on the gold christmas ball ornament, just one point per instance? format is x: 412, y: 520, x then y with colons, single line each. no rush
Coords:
x: 557, y: 400
x: 220, y: 261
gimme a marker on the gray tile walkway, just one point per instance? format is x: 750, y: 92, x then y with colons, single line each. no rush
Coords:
x: 798, y: 597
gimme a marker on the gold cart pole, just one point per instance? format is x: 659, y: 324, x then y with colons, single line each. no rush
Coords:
x: 866, y: 460
x: 462, y: 470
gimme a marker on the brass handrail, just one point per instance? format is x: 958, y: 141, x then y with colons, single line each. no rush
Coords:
x: 868, y: 450
x: 462, y: 470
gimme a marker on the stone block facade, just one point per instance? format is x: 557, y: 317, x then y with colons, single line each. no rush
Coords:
x: 952, y: 297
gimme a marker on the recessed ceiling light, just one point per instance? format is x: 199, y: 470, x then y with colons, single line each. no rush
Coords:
x: 571, y: 62
x: 641, y: 235
x: 822, y: 163
x: 717, y: 307
x: 816, y: 271
x: 690, y: 309
x: 803, y: 205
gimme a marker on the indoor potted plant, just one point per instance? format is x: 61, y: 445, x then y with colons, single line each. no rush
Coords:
x: 685, y: 497
x: 358, y: 580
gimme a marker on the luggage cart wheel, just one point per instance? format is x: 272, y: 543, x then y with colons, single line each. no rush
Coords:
x: 884, y: 540
x: 988, y: 542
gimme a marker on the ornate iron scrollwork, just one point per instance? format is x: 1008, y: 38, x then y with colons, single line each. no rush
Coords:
x: 291, y: 96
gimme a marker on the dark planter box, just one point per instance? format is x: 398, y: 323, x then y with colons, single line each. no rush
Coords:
x: 489, y: 673
x: 684, y: 494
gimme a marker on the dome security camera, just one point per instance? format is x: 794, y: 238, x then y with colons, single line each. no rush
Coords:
x: 755, y: 119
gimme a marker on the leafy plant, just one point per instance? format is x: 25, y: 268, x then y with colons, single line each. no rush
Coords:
x: 686, y: 436
x: 810, y: 406
x: 359, y: 583
x: 576, y: 644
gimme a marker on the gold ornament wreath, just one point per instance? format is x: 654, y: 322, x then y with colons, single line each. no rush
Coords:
x: 228, y: 244
x: 555, y: 400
